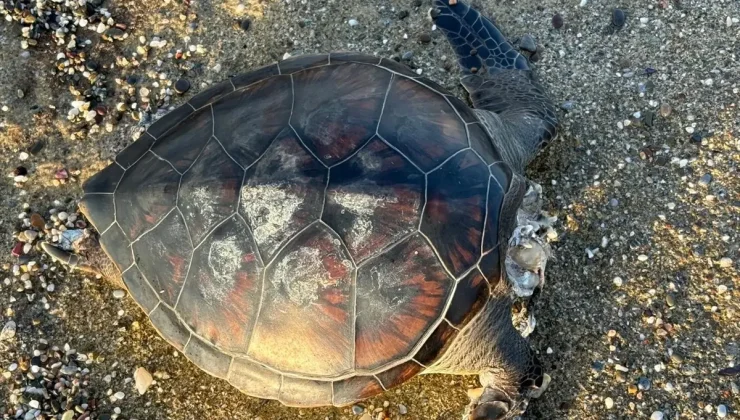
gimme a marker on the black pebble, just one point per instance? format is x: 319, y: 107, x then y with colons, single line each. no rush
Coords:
x: 618, y: 18
x: 696, y: 138
x: 182, y: 86
x: 245, y: 24
x: 403, y: 14
x: 131, y: 80
x: 557, y: 21
x: 92, y: 65
x: 425, y: 38
x: 36, y: 147
x: 21, y: 170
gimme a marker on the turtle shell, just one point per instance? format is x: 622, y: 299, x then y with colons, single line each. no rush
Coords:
x: 315, y: 231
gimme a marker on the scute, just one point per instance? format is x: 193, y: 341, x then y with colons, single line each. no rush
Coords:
x: 297, y: 392
x: 163, y: 256
x: 116, y: 245
x: 305, y: 321
x: 354, y: 389
x: 207, y: 357
x: 180, y: 146
x: 147, y: 192
x: 471, y: 294
x: 413, y: 115
x: 302, y: 62
x: 282, y: 193
x: 221, y: 295
x: 166, y: 322
x: 135, y: 150
x: 455, y: 211
x: 209, y: 190
x: 374, y: 199
x: 400, y: 294
x: 99, y: 209
x: 104, y: 181
x: 335, y: 122
x: 247, y: 120
x: 254, y: 379
x: 140, y: 289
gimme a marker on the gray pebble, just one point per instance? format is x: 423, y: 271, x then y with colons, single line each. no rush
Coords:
x: 357, y: 409
x: 688, y: 370
x: 721, y: 411
x: 402, y: 409
x: 407, y: 55
x: 614, y: 202
x: 8, y: 331
x: 527, y: 43
x: 643, y: 384
x: 705, y: 179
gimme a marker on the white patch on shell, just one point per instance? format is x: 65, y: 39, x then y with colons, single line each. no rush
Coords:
x: 224, y: 260
x: 270, y: 210
x: 200, y: 201
x: 363, y: 206
x: 301, y: 275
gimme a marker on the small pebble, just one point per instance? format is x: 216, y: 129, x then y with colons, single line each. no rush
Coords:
x: 618, y: 281
x: 182, y: 86
x: 664, y: 110
x: 425, y: 38
x: 402, y: 410
x: 643, y: 384
x: 725, y: 262
x: 705, y: 179
x: 353, y: 22
x: 357, y: 409
x: 119, y: 294
x: 618, y: 18
x: 721, y: 411
x: 609, y: 403
x: 557, y: 21
x: 244, y: 24
x: 642, y: 257
x: 657, y: 415
x: 143, y: 380
x: 527, y: 43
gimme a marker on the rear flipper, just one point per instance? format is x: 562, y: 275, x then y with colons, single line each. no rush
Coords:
x: 499, y: 79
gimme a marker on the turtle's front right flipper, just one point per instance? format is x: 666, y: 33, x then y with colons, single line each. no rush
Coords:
x: 480, y: 46
x: 515, y: 110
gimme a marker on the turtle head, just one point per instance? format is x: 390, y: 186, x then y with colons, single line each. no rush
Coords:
x: 81, y: 251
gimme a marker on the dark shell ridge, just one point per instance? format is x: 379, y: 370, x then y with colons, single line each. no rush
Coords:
x: 315, y: 231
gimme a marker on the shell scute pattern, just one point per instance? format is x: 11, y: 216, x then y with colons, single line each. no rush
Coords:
x: 336, y: 239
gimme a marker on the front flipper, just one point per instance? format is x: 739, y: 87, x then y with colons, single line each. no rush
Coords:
x: 480, y: 46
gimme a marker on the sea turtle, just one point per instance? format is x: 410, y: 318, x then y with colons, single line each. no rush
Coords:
x: 324, y: 228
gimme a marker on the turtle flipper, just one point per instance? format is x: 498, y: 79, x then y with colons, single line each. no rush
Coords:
x: 511, y: 104
x: 480, y: 46
x: 71, y: 260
